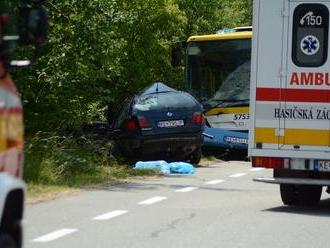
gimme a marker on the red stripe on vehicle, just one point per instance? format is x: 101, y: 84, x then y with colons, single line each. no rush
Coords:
x: 292, y: 95
x: 15, y: 110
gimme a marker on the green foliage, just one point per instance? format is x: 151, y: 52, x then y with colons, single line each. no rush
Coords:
x: 149, y: 28
x: 50, y: 158
x: 236, y: 13
x: 205, y: 17
x: 78, y: 66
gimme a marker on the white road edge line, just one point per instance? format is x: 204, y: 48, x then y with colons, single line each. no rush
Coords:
x: 187, y: 189
x: 110, y: 215
x: 238, y: 175
x: 54, y: 235
x: 257, y: 169
x: 152, y: 200
x: 213, y: 182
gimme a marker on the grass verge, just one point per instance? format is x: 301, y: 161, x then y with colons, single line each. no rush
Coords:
x: 57, y: 165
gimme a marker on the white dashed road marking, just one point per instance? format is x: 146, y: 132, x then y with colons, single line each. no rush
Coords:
x: 238, y: 175
x: 257, y: 169
x: 213, y: 182
x: 54, y: 235
x: 153, y: 200
x: 110, y: 215
x: 187, y: 189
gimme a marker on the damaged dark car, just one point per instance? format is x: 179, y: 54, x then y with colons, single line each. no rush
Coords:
x: 159, y: 123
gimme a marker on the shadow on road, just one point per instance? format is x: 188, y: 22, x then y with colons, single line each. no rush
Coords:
x: 225, y: 154
x: 135, y: 187
x: 322, y: 210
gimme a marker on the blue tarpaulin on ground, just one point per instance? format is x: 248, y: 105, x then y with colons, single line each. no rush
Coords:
x: 181, y: 168
x: 160, y: 164
x: 167, y: 168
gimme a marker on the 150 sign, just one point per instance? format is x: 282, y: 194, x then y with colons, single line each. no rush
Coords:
x: 310, y: 19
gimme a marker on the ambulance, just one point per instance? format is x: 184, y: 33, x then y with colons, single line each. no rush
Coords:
x: 290, y: 97
x: 32, y: 30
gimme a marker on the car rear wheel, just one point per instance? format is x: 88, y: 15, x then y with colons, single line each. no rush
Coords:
x: 196, y: 156
x: 115, y: 151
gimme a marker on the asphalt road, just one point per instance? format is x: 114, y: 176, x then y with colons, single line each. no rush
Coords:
x: 219, y: 206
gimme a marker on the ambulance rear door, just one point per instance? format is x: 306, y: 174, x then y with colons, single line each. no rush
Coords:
x: 305, y: 110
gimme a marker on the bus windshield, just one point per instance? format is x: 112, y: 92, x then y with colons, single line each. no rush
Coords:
x: 218, y: 72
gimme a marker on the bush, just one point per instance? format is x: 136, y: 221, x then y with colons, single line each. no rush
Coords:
x: 51, y: 159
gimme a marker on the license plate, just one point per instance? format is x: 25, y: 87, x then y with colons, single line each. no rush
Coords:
x: 175, y: 123
x: 322, y: 165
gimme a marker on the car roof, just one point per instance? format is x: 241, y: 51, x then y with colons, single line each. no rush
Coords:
x: 155, y: 88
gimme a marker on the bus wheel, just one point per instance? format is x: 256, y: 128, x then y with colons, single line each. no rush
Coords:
x: 289, y: 194
x: 6, y: 241
x: 309, y: 195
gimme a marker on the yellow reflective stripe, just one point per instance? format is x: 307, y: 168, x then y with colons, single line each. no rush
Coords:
x: 293, y: 137
x: 231, y: 110
x: 11, y: 131
x: 228, y: 36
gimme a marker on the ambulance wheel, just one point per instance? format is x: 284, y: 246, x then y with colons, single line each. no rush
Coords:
x: 289, y: 194
x: 309, y: 195
x: 6, y: 241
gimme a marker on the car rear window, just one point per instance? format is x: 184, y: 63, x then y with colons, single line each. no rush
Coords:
x: 164, y: 101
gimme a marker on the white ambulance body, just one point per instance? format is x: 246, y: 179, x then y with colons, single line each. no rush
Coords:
x: 290, y: 96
